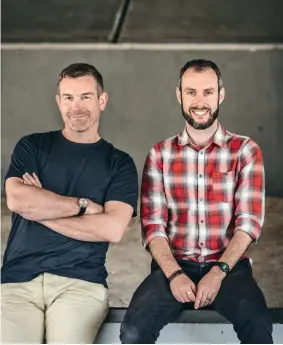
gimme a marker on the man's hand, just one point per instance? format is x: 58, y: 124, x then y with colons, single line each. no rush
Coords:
x: 33, y: 180
x: 183, y: 289
x: 208, y: 288
x: 93, y: 208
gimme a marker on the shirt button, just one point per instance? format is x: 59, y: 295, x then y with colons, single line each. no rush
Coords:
x: 201, y: 244
x: 201, y: 152
x: 202, y: 221
x: 200, y: 199
x: 200, y: 176
x: 200, y: 259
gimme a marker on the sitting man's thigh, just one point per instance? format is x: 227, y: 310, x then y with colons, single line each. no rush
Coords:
x: 76, y: 315
x: 240, y: 297
x: 22, y: 313
x: 150, y: 309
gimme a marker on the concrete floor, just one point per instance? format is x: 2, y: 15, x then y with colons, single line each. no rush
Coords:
x: 128, y: 262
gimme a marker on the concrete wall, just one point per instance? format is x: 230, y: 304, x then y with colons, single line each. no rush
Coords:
x: 143, y: 108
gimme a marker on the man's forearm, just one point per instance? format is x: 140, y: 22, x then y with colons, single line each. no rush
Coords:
x: 162, y: 254
x: 236, y: 248
x: 36, y: 204
x: 101, y: 227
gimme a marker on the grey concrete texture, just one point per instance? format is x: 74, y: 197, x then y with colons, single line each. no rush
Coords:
x: 58, y: 20
x: 142, y: 107
x: 145, y: 20
x: 203, y: 21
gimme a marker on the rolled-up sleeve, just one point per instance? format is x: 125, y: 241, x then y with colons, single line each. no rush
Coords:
x: 250, y: 191
x: 154, y: 210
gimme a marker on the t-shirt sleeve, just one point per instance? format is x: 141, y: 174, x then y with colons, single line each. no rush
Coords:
x: 124, y: 183
x: 24, y: 158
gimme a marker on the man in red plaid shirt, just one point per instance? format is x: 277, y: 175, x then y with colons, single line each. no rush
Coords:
x: 202, y: 205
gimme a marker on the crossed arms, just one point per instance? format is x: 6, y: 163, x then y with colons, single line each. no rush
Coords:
x: 27, y: 198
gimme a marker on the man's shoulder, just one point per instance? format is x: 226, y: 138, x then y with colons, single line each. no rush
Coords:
x: 40, y: 135
x: 37, y: 138
x: 165, y: 144
x: 117, y: 154
x: 239, y: 141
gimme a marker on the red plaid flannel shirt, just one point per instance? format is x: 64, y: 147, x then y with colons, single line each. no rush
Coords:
x: 196, y: 198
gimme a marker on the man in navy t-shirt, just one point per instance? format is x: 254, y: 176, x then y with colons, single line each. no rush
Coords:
x: 71, y: 193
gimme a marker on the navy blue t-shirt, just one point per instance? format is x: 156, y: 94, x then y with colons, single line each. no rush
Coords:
x: 96, y: 171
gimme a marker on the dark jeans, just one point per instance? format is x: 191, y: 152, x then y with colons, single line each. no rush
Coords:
x: 239, y: 300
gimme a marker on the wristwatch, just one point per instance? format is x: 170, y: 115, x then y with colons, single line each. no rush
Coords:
x: 223, y: 266
x: 83, y: 206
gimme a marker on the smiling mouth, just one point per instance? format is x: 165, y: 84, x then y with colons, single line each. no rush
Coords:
x: 200, y: 112
x: 78, y: 117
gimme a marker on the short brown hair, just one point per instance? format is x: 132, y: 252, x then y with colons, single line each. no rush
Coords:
x: 77, y: 70
x: 200, y: 65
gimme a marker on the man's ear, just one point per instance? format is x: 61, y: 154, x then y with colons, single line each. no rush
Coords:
x: 57, y: 98
x: 103, y: 99
x: 178, y: 94
x: 221, y: 95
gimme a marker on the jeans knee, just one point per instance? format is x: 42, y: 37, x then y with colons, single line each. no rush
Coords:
x: 256, y: 329
x: 129, y: 333
x: 260, y: 323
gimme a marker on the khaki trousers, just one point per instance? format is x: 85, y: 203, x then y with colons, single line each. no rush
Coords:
x: 53, y: 309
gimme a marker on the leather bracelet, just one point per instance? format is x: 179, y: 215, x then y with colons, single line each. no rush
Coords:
x: 174, y: 275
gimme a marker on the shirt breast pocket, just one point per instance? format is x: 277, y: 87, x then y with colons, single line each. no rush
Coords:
x: 223, y: 184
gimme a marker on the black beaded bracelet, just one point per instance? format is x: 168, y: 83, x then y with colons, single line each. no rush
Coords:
x: 174, y: 275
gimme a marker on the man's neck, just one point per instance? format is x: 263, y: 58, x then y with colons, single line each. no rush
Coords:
x: 89, y: 137
x: 202, y: 137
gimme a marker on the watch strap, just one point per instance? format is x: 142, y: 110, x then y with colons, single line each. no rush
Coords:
x: 82, y: 209
x: 223, y: 266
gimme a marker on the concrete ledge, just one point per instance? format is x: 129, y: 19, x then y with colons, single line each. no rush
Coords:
x: 193, y: 327
x: 246, y: 47
x: 205, y: 315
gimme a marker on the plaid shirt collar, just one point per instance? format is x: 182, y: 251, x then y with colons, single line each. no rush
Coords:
x: 218, y: 139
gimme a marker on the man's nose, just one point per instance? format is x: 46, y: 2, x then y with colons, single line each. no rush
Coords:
x: 77, y: 103
x: 199, y: 102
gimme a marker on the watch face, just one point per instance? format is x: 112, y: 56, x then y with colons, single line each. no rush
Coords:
x: 225, y: 268
x: 83, y: 202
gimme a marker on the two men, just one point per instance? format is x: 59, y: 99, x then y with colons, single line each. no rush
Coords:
x: 202, y: 205
x: 71, y: 193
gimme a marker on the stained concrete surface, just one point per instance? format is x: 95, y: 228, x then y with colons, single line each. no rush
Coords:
x: 58, y: 20
x: 203, y: 21
x: 144, y: 21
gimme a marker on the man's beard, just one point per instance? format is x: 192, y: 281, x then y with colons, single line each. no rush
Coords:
x: 197, y: 125
x: 79, y: 120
